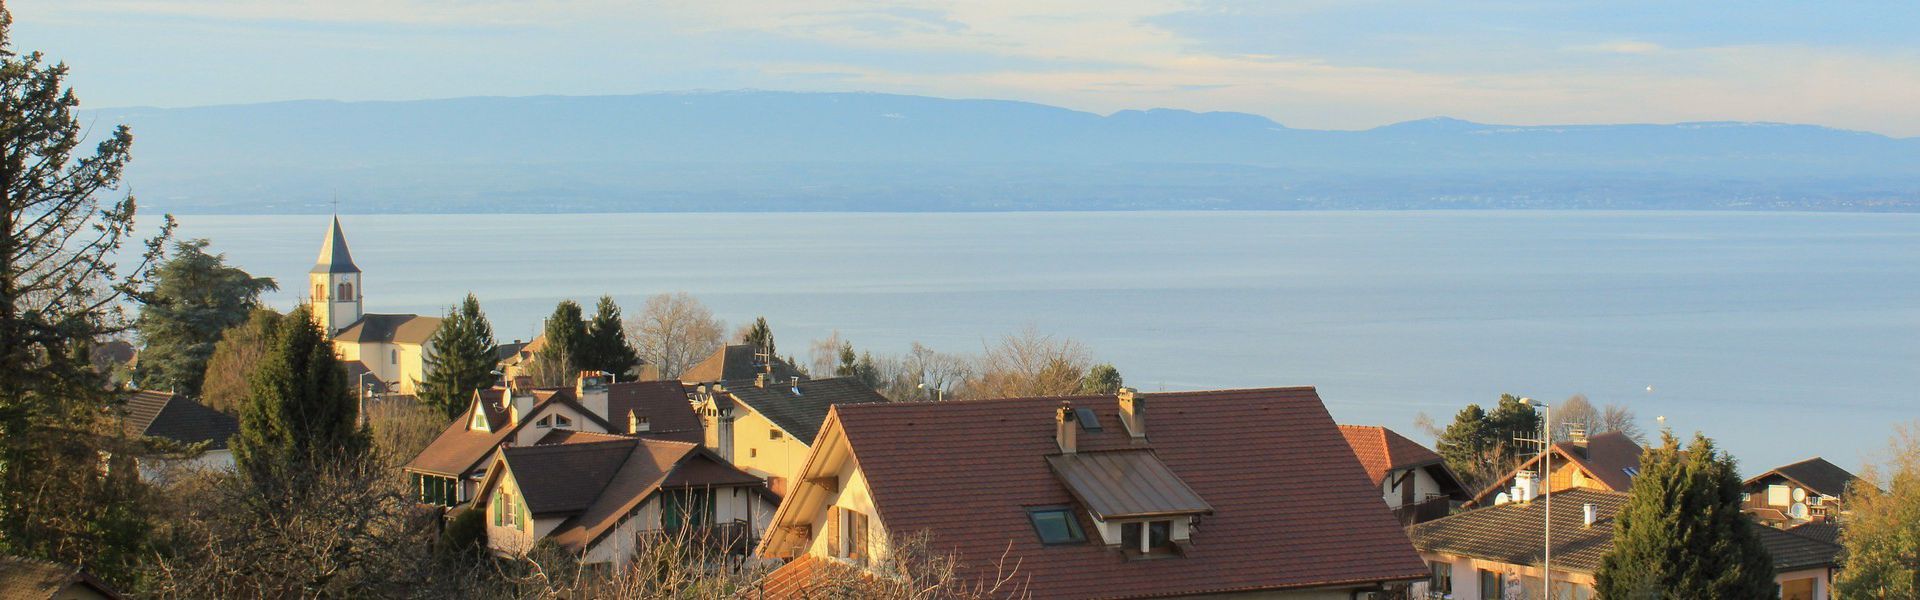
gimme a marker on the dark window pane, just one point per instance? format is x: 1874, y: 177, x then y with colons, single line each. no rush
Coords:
x: 1057, y: 526
x: 1130, y: 536
x: 1160, y: 534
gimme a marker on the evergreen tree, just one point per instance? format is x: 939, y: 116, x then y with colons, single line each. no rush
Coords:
x: 460, y: 358
x: 566, y: 333
x: 849, y: 361
x: 60, y: 290
x: 605, y: 345
x: 195, y: 297
x: 1681, y: 535
x: 760, y: 336
x: 1101, y: 379
x: 302, y: 415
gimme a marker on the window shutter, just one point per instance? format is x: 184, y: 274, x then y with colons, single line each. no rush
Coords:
x: 859, y: 536
x: 833, y: 531
x: 496, y: 510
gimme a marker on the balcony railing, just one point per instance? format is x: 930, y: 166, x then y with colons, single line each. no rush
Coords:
x: 1423, y: 511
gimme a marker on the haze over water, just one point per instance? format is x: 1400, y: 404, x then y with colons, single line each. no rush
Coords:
x: 1782, y: 335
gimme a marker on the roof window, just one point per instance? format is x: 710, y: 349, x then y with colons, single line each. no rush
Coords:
x: 1056, y: 525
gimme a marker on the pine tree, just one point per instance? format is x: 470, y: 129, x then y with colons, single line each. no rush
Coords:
x: 605, y: 345
x: 1101, y: 379
x: 60, y: 289
x: 302, y: 416
x: 566, y: 333
x: 460, y: 358
x: 1681, y: 535
x: 195, y: 297
x: 760, y: 336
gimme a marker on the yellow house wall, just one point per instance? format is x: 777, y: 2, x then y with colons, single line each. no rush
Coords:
x: 515, y: 539
x: 730, y: 504
x: 854, y: 495
x: 754, y: 450
x: 405, y: 372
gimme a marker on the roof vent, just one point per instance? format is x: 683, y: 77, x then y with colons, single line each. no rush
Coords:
x: 796, y: 385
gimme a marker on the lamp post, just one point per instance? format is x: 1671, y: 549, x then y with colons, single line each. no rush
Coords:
x: 1546, y: 481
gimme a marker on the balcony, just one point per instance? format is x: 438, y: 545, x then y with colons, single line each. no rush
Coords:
x: 1432, y: 508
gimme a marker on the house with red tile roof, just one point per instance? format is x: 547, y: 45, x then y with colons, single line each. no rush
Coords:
x: 765, y: 425
x: 449, y: 470
x: 1608, y: 462
x: 1808, y: 491
x: 1215, y: 494
x: 1414, y: 481
x: 604, y: 496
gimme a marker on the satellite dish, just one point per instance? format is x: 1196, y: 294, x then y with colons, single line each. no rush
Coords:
x: 1501, y: 499
x: 1799, y: 511
x: 1799, y: 495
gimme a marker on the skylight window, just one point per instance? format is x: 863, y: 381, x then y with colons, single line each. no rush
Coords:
x: 1056, y: 525
x: 1630, y: 471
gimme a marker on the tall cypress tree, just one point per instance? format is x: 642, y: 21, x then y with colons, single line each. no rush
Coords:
x: 566, y: 338
x: 606, y: 344
x: 1682, y: 534
x: 460, y: 358
x: 303, y: 415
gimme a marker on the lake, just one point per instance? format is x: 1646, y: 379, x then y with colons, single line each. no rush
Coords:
x: 1782, y: 335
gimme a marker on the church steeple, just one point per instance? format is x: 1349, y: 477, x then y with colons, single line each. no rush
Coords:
x: 334, y: 257
x: 336, y: 283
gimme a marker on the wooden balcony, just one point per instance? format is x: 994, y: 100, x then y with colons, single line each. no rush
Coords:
x: 1425, y: 510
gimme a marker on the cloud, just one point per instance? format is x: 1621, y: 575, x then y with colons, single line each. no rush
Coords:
x: 1620, y: 47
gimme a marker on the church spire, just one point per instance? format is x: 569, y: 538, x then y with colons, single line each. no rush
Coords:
x: 334, y: 257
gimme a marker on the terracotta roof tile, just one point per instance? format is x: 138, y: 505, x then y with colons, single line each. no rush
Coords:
x: 1382, y: 450
x: 1818, y: 475
x: 1293, y: 508
x: 1609, y: 457
x: 663, y: 403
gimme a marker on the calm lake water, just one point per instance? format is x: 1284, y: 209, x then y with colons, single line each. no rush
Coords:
x: 1783, y: 335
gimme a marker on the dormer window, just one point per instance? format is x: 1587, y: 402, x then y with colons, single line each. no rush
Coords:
x: 637, y: 423
x: 562, y: 421
x: 1056, y: 525
x: 544, y: 423
x: 1147, y: 537
x: 479, y: 419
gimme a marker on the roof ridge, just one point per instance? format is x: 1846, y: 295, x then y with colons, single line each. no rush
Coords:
x: 557, y: 447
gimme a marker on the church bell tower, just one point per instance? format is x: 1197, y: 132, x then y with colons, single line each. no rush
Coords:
x: 335, y: 283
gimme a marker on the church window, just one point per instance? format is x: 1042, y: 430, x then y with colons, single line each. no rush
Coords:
x: 319, y: 291
x: 394, y: 358
x: 346, y: 291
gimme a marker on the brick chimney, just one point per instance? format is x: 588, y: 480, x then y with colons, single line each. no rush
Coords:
x: 519, y: 403
x: 1133, y: 413
x: 1066, y: 428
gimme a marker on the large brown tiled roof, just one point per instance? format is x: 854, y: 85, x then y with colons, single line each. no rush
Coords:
x: 801, y: 414
x: 1825, y: 531
x: 735, y: 363
x: 1381, y: 450
x: 459, y: 450
x: 26, y: 579
x: 405, y: 329
x: 598, y: 484
x: 1816, y: 474
x: 1512, y: 534
x: 166, y: 415
x: 663, y: 403
x: 1292, y: 507
x: 565, y: 479
x: 1609, y: 457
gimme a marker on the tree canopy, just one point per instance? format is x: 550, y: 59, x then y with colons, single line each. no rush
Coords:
x: 226, y: 384
x: 1882, y: 533
x: 1478, y: 445
x: 566, y: 337
x: 1682, y: 535
x: 61, y: 287
x: 302, y: 417
x: 675, y: 331
x: 604, y: 346
x: 460, y: 358
x: 194, y: 297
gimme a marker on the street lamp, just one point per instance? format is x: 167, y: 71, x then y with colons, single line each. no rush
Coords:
x: 1546, y: 477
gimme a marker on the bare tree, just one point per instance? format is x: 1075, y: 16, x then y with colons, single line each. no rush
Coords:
x: 1575, y: 411
x: 1620, y: 419
x: 1030, y: 363
x: 823, y: 355
x: 674, y: 331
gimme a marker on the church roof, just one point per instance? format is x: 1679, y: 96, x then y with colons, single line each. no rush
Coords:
x: 334, y: 257
x: 403, y: 329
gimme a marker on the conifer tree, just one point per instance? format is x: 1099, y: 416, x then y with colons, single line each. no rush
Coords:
x: 760, y: 336
x: 195, y: 297
x: 1681, y: 535
x: 606, y: 347
x: 566, y: 333
x: 60, y: 289
x: 1102, y: 378
x: 302, y: 416
x: 460, y: 358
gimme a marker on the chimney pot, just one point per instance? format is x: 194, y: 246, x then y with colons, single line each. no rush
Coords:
x: 760, y: 380
x: 1066, y: 431
x: 1133, y: 413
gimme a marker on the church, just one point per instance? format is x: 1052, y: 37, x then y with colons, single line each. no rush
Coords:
x: 386, y: 347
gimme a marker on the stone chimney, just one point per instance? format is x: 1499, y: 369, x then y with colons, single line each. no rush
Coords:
x: 1589, y: 514
x: 1133, y: 413
x: 591, y: 390
x: 760, y: 380
x: 1577, y: 439
x: 1066, y: 428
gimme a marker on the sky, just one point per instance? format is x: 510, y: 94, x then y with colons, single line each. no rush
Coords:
x: 1312, y: 64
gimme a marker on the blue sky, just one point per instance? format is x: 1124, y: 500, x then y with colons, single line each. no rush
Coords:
x: 1336, y: 65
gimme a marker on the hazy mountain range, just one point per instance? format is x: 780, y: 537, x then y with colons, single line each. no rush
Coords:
x: 863, y: 151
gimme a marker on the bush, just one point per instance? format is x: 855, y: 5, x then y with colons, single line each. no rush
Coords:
x: 466, y: 532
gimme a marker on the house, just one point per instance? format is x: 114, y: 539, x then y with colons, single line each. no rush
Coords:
x: 449, y: 470
x: 173, y: 417
x: 389, y: 347
x: 1608, y: 461
x: 1808, y: 491
x: 739, y: 362
x: 598, y: 495
x: 766, y: 427
x: 1414, y: 481
x: 27, y: 579
x: 1214, y: 494
x: 1495, y: 552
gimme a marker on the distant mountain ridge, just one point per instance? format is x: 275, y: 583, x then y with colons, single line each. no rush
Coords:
x: 753, y: 150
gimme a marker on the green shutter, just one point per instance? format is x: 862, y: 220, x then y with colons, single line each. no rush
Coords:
x: 498, y: 515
